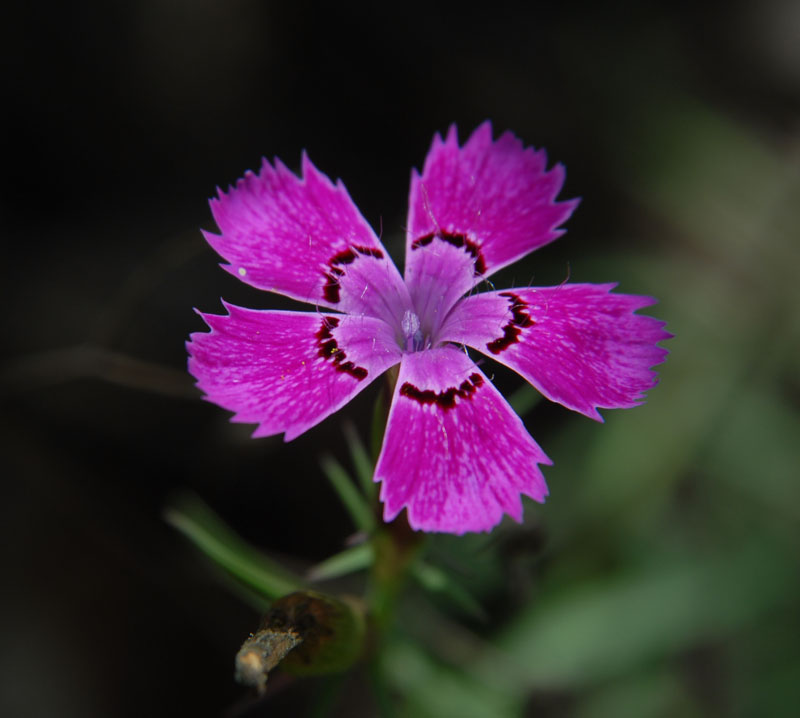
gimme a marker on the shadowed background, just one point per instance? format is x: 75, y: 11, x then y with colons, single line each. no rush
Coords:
x: 660, y: 579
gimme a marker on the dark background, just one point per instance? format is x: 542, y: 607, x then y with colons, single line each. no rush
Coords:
x: 120, y: 120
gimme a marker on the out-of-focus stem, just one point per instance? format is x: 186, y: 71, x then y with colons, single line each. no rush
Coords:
x: 396, y: 546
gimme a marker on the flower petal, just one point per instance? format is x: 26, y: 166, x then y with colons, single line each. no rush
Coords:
x: 440, y: 275
x: 287, y: 371
x: 455, y: 454
x: 495, y: 199
x: 578, y: 344
x: 305, y: 238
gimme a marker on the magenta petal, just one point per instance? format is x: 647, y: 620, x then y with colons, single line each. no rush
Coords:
x: 437, y: 275
x: 455, y: 454
x: 287, y: 371
x: 301, y: 238
x: 578, y: 344
x: 496, y: 198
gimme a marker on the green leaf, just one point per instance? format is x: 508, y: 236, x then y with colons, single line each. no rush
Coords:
x: 195, y: 520
x: 365, y: 469
x: 345, y: 488
x: 437, y: 581
x: 380, y: 411
x: 356, y: 558
x: 432, y: 689
x: 764, y: 417
x: 524, y: 399
x: 595, y: 630
x: 652, y: 694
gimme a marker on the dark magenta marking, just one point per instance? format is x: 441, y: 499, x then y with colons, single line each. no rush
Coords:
x: 457, y: 240
x: 511, y: 331
x: 370, y: 252
x: 445, y: 399
x: 329, y: 350
x: 330, y: 289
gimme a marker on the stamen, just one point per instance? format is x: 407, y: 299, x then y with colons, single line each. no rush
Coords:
x: 410, y: 323
x: 411, y: 331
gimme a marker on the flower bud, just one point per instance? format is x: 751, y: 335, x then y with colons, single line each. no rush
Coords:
x: 308, y: 633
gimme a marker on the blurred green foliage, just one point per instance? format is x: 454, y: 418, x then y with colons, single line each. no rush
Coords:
x: 661, y: 579
x: 669, y: 583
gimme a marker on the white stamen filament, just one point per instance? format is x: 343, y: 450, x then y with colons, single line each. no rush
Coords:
x: 410, y: 326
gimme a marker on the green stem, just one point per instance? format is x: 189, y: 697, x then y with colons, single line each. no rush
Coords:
x: 396, y: 548
x: 394, y: 545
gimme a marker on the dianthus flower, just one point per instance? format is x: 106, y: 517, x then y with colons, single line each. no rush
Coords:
x: 455, y: 455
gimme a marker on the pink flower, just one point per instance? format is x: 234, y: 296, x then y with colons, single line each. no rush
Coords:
x: 455, y: 455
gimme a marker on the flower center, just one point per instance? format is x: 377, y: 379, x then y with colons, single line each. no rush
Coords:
x: 413, y: 339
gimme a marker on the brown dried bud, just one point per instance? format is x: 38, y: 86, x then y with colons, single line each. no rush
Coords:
x: 260, y: 653
x: 308, y: 633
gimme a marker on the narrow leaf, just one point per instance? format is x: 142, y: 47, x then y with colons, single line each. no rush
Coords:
x: 365, y: 468
x: 435, y: 580
x: 353, y: 501
x: 524, y: 399
x: 195, y: 520
x: 348, y: 561
x: 380, y: 412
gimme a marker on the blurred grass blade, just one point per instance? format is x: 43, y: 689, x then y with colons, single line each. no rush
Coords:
x: 195, y: 520
x: 348, y: 561
x: 594, y: 630
x: 379, y: 413
x: 524, y: 399
x: 653, y: 693
x: 365, y: 469
x: 431, y: 689
x: 353, y: 500
x: 435, y: 580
